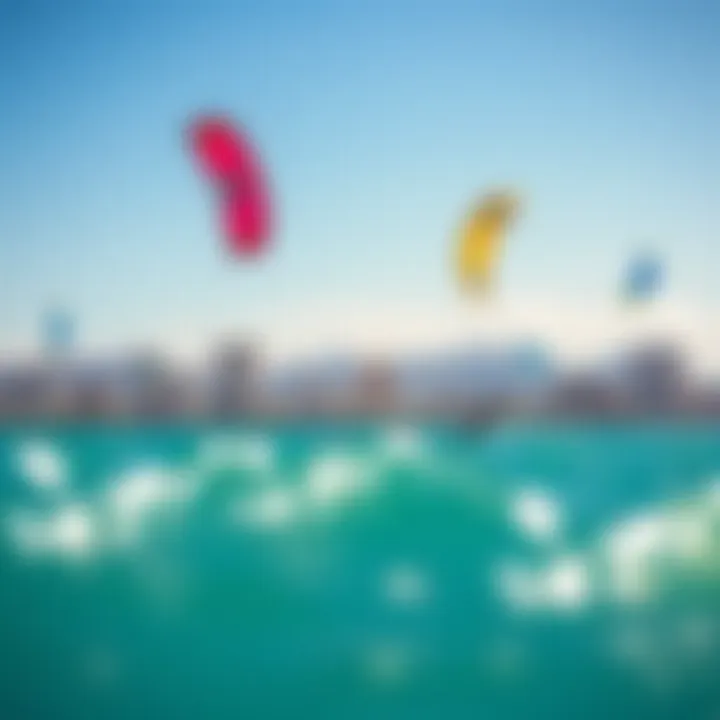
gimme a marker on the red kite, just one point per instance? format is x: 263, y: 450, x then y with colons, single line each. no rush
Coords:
x: 230, y: 162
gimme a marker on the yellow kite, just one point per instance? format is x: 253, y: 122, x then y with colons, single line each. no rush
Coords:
x: 482, y: 238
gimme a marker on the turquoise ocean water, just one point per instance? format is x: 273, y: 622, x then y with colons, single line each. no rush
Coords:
x: 360, y: 571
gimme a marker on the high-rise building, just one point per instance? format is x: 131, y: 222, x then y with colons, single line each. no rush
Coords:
x: 150, y: 387
x: 653, y: 378
x: 23, y: 392
x: 58, y: 341
x: 233, y: 380
x: 585, y: 395
x: 377, y: 391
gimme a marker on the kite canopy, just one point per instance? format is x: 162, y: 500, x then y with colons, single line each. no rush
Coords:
x: 482, y: 237
x: 643, y: 278
x: 226, y: 156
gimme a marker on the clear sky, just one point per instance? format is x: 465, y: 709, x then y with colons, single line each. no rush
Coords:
x: 379, y: 121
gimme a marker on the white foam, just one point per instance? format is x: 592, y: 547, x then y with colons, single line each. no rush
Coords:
x: 72, y: 531
x: 403, y: 444
x: 141, y: 491
x: 536, y: 513
x: 630, y: 546
x: 334, y: 478
x: 637, y: 539
x: 42, y: 464
x: 68, y: 531
x: 274, y: 508
x: 255, y: 453
x: 567, y: 584
x: 563, y: 585
x: 640, y: 553
x: 690, y: 536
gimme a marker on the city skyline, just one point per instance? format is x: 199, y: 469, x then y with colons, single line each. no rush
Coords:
x: 475, y: 383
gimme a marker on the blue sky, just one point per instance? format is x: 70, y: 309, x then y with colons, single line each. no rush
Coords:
x: 379, y: 121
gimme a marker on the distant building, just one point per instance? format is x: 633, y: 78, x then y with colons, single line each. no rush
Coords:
x: 653, y: 379
x: 476, y: 377
x: 377, y: 388
x: 233, y: 380
x: 149, y: 388
x: 61, y: 390
x: 311, y: 388
x: 23, y: 392
x: 58, y: 344
x: 705, y: 402
x: 93, y: 399
x: 586, y: 395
